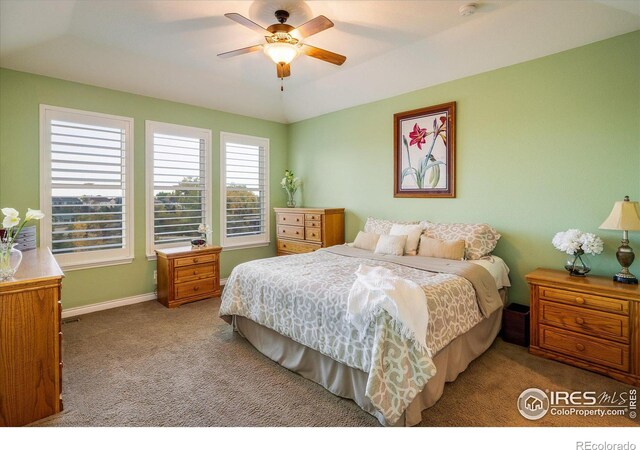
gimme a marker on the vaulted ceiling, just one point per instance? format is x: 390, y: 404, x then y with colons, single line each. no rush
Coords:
x: 167, y: 49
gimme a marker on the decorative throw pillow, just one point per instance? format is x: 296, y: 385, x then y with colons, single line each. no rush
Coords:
x: 382, y: 226
x: 391, y: 245
x: 480, y: 239
x: 437, y: 248
x: 412, y: 232
x: 366, y: 241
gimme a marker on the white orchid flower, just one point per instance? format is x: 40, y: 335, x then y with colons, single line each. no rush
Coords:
x: 34, y: 214
x: 10, y: 221
x: 10, y: 212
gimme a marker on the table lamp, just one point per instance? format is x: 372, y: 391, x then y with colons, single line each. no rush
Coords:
x: 624, y: 216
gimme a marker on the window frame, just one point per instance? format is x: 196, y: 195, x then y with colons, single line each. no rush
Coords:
x: 93, y: 258
x: 236, y: 243
x: 152, y: 127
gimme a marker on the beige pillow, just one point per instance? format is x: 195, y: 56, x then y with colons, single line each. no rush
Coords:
x: 381, y: 226
x: 412, y: 232
x: 391, y: 245
x: 436, y: 248
x: 366, y: 241
x: 480, y: 238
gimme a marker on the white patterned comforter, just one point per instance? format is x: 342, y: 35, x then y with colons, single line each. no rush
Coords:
x: 304, y: 297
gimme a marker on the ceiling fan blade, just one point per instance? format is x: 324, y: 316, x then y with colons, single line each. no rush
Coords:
x: 324, y: 55
x: 311, y: 27
x: 240, y: 51
x: 242, y: 20
x: 284, y: 70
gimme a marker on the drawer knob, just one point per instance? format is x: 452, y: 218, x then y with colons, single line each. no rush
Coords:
x: 284, y: 245
x: 580, y: 347
x: 579, y: 300
x: 284, y: 218
x: 195, y: 272
x: 579, y: 320
x: 195, y: 288
x: 195, y: 260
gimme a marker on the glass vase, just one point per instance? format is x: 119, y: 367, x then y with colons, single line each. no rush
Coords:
x: 10, y: 259
x: 291, y: 203
x: 578, y: 265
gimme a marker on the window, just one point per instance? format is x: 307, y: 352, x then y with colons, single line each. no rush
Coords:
x: 86, y: 181
x: 244, y: 219
x: 178, y: 184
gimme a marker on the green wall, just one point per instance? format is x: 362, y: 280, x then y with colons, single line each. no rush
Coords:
x: 20, y: 97
x: 542, y: 146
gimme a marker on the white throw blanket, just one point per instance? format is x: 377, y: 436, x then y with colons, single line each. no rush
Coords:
x: 377, y: 289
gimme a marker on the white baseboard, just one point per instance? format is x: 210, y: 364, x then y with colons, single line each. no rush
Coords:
x: 79, y: 310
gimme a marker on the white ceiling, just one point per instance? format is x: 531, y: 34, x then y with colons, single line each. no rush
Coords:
x: 167, y: 49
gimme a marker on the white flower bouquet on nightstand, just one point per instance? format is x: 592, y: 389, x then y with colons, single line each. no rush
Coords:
x: 577, y: 244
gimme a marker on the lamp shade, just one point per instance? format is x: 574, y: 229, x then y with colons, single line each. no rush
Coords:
x: 624, y: 216
x: 281, y: 52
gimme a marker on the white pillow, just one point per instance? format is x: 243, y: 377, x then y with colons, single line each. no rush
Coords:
x: 366, y: 241
x: 391, y: 245
x: 412, y: 232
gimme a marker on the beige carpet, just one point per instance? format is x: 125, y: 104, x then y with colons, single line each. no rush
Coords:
x: 145, y: 365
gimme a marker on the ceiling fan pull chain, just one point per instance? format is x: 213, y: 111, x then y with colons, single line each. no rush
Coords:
x: 281, y: 84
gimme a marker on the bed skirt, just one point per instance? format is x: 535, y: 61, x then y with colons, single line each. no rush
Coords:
x: 350, y: 383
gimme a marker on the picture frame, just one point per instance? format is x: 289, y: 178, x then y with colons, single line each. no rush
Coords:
x: 424, y: 152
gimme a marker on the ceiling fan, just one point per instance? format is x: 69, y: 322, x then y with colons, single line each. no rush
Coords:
x: 285, y: 42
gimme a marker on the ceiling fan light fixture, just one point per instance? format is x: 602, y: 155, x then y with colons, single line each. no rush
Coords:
x: 281, y: 52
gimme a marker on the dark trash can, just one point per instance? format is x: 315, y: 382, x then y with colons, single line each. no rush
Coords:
x: 515, y: 324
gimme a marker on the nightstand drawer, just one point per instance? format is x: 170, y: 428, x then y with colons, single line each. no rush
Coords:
x: 290, y: 219
x: 313, y: 216
x: 287, y: 231
x: 586, y: 300
x: 296, y: 247
x: 313, y: 234
x: 194, y: 272
x: 195, y: 259
x: 595, y: 350
x: 194, y: 288
x: 313, y: 223
x: 594, y: 323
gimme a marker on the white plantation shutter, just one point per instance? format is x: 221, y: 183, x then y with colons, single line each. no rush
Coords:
x: 87, y: 189
x: 245, y: 197
x: 178, y: 184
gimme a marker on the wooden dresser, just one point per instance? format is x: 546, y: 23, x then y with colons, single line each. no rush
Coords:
x: 591, y: 322
x: 303, y: 230
x: 30, y: 341
x: 186, y: 275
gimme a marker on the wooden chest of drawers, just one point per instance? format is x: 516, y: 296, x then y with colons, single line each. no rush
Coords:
x: 186, y: 275
x: 30, y: 341
x: 591, y: 322
x: 303, y: 230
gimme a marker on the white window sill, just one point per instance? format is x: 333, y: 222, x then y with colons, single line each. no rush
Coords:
x: 244, y: 246
x: 71, y: 266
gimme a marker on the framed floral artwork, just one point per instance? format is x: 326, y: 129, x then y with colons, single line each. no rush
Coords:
x: 424, y: 152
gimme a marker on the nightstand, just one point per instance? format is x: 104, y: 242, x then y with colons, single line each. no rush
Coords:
x: 589, y: 322
x: 186, y: 275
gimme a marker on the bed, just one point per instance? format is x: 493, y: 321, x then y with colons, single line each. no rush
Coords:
x: 293, y: 309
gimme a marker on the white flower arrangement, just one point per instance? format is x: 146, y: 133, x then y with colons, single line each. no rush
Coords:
x: 12, y: 224
x: 574, y: 242
x: 204, y: 229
